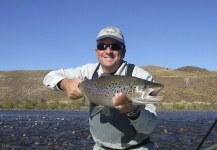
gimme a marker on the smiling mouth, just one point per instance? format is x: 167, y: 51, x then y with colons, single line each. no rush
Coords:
x: 108, y: 57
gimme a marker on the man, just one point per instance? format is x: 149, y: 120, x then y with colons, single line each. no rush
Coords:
x: 127, y: 127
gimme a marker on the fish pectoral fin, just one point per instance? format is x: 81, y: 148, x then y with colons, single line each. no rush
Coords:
x: 106, y: 111
x: 96, y: 110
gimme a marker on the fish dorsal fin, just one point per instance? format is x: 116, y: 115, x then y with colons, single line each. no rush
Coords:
x: 105, y: 75
x: 85, y: 78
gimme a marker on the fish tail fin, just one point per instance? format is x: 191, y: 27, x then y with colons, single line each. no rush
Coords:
x: 85, y: 100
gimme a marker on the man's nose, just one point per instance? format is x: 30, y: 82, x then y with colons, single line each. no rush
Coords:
x: 108, y: 50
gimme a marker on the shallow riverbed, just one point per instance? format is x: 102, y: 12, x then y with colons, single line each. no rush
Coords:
x: 20, y: 129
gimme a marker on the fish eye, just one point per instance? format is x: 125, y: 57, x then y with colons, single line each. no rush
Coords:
x: 138, y: 88
x: 143, y: 88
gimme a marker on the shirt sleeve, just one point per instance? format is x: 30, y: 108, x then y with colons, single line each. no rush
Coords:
x: 146, y: 122
x: 55, y: 76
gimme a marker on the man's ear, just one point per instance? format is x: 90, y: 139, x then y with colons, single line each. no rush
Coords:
x: 96, y: 51
x: 123, y: 52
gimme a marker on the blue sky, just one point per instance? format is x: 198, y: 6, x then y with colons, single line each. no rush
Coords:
x: 54, y: 34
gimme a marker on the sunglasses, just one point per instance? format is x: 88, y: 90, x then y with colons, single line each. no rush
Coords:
x: 113, y: 46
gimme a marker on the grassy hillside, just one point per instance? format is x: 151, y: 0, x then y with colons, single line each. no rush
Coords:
x: 186, y: 88
x: 189, y: 88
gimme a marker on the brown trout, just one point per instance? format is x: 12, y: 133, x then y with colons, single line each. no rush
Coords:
x: 100, y: 91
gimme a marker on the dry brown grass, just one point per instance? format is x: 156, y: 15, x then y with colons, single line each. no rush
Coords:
x: 183, y: 90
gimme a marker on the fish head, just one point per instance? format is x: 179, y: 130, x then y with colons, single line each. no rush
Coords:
x: 145, y: 91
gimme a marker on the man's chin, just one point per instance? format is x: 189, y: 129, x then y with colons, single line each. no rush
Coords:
x: 109, y: 59
x: 109, y: 64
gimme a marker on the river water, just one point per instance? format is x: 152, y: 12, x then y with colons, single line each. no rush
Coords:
x: 31, y: 129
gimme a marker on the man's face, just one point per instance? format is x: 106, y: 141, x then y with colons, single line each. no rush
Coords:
x: 110, y: 60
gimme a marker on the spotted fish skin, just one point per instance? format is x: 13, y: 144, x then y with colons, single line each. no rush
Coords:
x: 101, y: 90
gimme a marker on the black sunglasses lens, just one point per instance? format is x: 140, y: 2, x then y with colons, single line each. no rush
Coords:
x: 101, y: 46
x: 114, y: 46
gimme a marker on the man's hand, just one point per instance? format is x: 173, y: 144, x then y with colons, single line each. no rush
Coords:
x: 122, y: 103
x: 71, y: 88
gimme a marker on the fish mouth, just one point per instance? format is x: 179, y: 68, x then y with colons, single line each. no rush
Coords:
x: 149, y: 97
x: 152, y: 96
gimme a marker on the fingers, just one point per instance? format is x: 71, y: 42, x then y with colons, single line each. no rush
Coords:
x: 119, y: 99
x: 122, y: 103
x: 71, y: 88
x: 126, y: 108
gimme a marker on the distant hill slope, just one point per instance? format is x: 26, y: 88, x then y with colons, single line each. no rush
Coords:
x: 25, y: 85
x: 191, y: 84
x: 196, y: 85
